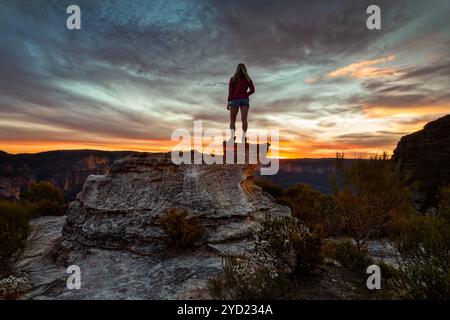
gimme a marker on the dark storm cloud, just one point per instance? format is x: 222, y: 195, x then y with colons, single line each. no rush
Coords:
x: 35, y: 61
x: 415, y: 120
x: 327, y: 124
x: 264, y: 32
x: 415, y: 87
x: 398, y: 100
x: 400, y: 88
x: 370, y: 139
x: 112, y: 123
x: 406, y: 101
x: 441, y: 69
x: 273, y: 32
x: 299, y: 104
x: 373, y: 84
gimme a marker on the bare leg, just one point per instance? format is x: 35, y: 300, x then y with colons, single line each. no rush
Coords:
x: 233, y: 114
x: 244, y: 113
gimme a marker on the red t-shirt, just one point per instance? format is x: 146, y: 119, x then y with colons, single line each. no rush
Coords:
x: 240, y: 89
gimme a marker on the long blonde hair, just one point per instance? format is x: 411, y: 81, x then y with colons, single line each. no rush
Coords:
x: 241, y: 73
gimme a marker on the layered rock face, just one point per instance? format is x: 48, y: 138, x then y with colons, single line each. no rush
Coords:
x: 15, y: 175
x: 112, y: 230
x: 66, y: 169
x: 122, y: 209
x: 426, y: 156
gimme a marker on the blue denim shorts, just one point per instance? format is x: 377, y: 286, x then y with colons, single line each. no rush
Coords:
x: 239, y: 102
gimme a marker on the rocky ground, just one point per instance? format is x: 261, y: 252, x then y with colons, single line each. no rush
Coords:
x: 112, y: 231
x: 38, y: 261
x: 121, y: 274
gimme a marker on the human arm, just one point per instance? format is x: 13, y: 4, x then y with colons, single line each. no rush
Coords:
x: 230, y: 89
x: 251, y: 87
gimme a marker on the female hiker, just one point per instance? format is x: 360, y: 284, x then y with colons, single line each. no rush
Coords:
x: 239, y: 90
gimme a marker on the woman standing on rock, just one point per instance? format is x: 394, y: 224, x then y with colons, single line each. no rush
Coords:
x: 239, y: 90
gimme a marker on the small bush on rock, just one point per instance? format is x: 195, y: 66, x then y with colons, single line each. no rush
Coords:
x: 424, y: 265
x: 14, y: 229
x: 311, y: 207
x: 13, y: 286
x: 183, y: 230
x: 444, y: 204
x: 284, y: 251
x: 289, y: 245
x: 348, y: 255
x: 372, y: 197
x: 271, y: 188
x: 247, y: 279
x: 44, y: 199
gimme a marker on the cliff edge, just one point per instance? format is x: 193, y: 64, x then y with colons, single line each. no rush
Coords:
x: 112, y: 229
x: 425, y: 155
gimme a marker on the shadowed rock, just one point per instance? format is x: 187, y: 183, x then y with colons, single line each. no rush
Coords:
x: 425, y: 155
x: 112, y: 230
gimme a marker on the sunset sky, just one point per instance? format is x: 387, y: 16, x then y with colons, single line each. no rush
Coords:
x: 140, y: 69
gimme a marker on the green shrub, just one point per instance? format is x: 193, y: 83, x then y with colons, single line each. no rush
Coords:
x: 348, y: 255
x: 388, y: 272
x: 424, y: 265
x: 14, y: 229
x: 289, y: 245
x: 444, y: 204
x: 47, y: 208
x: 284, y: 251
x: 44, y: 199
x: 42, y: 190
x: 372, y: 196
x: 311, y: 207
x: 247, y: 279
x: 184, y: 231
x: 217, y: 288
x: 13, y: 286
x: 271, y: 188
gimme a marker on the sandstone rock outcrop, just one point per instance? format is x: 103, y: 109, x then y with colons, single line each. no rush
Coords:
x: 113, y: 234
x: 425, y: 154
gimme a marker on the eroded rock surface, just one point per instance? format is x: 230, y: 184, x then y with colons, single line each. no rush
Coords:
x: 112, y: 230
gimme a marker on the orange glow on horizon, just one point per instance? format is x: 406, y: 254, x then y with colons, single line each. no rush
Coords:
x: 286, y: 150
x: 290, y: 147
x: 16, y: 147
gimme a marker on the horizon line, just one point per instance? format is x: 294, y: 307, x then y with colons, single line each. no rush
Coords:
x: 137, y: 151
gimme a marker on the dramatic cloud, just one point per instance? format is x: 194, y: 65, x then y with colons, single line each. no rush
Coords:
x: 367, y: 69
x: 140, y: 69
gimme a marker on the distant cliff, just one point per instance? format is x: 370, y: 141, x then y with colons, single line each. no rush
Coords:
x: 314, y: 172
x: 425, y: 155
x: 66, y: 169
x: 69, y: 169
x: 15, y: 175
